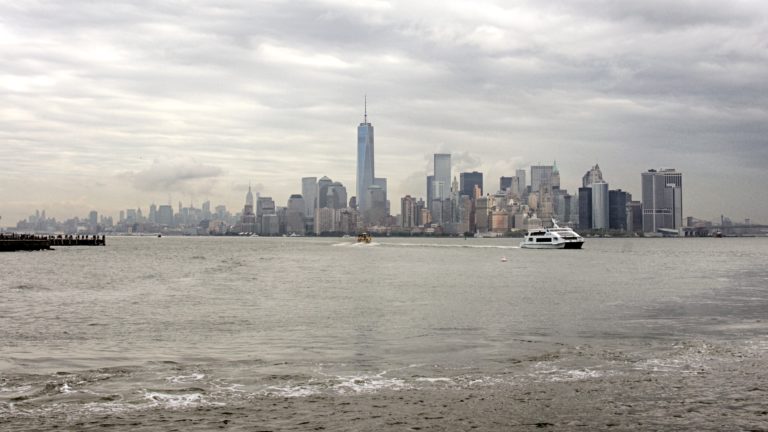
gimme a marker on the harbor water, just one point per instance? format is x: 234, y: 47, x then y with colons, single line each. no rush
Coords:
x: 197, y: 333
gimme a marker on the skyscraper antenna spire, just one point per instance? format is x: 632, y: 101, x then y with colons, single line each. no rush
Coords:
x: 365, y: 116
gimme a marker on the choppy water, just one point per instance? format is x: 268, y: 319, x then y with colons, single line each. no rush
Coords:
x: 198, y: 329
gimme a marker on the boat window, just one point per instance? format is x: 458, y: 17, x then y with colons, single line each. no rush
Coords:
x: 544, y: 240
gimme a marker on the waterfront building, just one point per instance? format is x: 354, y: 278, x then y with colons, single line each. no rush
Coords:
x: 294, y: 215
x: 662, y: 193
x: 466, y: 216
x: 468, y: 181
x: 324, y: 220
x: 346, y: 220
x: 617, y: 209
x: 499, y: 221
x: 426, y: 217
x: 481, y: 214
x: 270, y: 224
x: 365, y: 161
x: 309, y: 192
x: 600, y: 210
x: 634, y: 216
x: 585, y: 208
x: 408, y: 218
x: 377, y: 207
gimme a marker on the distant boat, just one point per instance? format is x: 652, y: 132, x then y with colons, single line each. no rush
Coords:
x: 159, y: 235
x: 552, y: 238
x: 503, y: 259
x: 364, y: 238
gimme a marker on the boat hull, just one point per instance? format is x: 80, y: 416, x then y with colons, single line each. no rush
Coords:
x: 542, y: 245
x: 574, y: 245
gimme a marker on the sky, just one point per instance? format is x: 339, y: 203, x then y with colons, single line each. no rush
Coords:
x: 112, y: 105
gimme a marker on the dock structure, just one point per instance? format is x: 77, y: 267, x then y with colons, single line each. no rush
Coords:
x: 32, y: 242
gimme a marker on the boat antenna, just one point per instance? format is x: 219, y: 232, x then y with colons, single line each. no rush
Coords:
x: 365, y: 115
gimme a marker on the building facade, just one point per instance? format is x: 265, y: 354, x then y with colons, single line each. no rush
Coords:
x: 662, y: 197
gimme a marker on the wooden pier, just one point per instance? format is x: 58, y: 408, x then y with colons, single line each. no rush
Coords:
x: 31, y: 242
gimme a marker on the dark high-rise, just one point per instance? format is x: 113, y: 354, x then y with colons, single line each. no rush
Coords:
x: 617, y: 209
x: 468, y: 181
x: 585, y: 208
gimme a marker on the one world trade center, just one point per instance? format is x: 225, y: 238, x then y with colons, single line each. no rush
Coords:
x: 365, y: 173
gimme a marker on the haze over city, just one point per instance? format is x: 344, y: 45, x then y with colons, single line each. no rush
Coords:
x: 112, y: 105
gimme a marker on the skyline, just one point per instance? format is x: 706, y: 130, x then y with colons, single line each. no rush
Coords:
x: 208, y: 98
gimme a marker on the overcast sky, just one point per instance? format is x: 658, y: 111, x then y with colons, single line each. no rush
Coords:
x: 110, y: 105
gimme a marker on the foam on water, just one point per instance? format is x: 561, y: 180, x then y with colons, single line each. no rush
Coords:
x: 182, y: 379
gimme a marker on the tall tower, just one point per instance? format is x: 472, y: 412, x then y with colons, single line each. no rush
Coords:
x: 365, y: 174
x: 442, y: 181
x: 249, y: 197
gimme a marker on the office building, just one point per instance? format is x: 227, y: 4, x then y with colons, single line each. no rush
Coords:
x: 593, y: 175
x: 662, y: 197
x: 309, y: 193
x: 430, y: 180
x: 541, y: 174
x: 600, y: 210
x: 521, y: 183
x: 585, y: 208
x: 365, y: 162
x: 408, y: 216
x: 617, y: 209
x: 442, y: 177
x: 468, y: 181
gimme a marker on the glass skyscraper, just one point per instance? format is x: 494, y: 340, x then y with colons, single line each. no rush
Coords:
x: 365, y: 174
x: 441, y: 185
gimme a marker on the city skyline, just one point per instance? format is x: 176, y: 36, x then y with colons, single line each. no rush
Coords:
x: 210, y: 98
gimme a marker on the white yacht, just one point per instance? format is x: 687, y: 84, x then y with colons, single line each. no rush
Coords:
x: 552, y: 238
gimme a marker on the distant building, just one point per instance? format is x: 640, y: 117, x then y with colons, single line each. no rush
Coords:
x: 165, y: 215
x: 294, y: 215
x: 585, y: 208
x: 600, y: 210
x: 617, y: 209
x: 506, y: 183
x: 540, y: 174
x: 468, y: 181
x: 441, y: 184
x: 309, y: 193
x: 408, y: 216
x: 522, y: 184
x: 481, y: 214
x: 594, y: 175
x: 662, y: 193
x: 634, y: 216
x: 324, y: 218
x: 365, y: 162
x: 430, y: 180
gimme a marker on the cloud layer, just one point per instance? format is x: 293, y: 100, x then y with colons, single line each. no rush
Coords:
x: 271, y: 91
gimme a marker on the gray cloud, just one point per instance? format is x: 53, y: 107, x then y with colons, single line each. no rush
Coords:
x: 174, y: 176
x: 273, y: 91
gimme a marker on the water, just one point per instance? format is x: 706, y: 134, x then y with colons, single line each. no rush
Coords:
x: 300, y: 333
